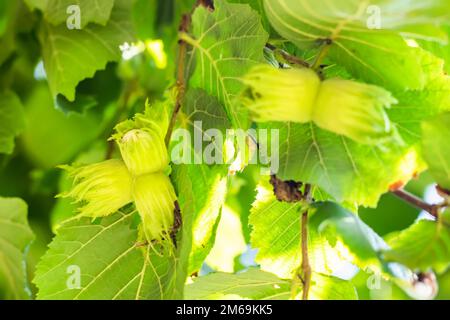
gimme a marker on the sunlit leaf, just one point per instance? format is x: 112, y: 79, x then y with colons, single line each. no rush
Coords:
x: 348, y: 171
x: 424, y: 245
x: 120, y: 271
x: 358, y: 41
x: 256, y: 284
x: 222, y: 52
x: 436, y: 148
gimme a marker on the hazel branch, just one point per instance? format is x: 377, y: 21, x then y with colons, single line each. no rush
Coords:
x: 181, y: 81
x: 415, y: 201
x: 306, y: 267
x: 185, y: 24
x: 325, y: 47
x: 289, y: 191
x: 286, y: 57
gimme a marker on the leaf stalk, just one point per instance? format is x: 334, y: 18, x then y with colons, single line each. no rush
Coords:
x: 415, y: 201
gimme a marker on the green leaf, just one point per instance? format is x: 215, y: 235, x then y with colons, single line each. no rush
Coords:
x: 73, y: 55
x: 252, y: 284
x: 62, y: 137
x: 360, y: 49
x: 349, y: 172
x: 415, y: 106
x: 399, y: 213
x: 360, y: 245
x: 424, y: 245
x: 229, y: 243
x: 110, y: 264
x: 259, y: 285
x: 276, y: 233
x: 324, y: 287
x: 203, y: 113
x: 439, y: 49
x: 202, y: 188
x: 12, y: 120
x: 258, y: 6
x: 96, y: 11
x: 202, y: 107
x: 198, y: 200
x: 337, y: 224
x: 201, y: 191
x: 226, y: 44
x: 18, y: 47
x: 144, y: 18
x: 363, y: 247
x: 206, y: 222
x: 436, y: 148
x: 334, y: 235
x: 416, y: 18
x: 8, y: 45
x: 36, y: 4
x: 95, y: 93
x: 6, y: 9
x: 56, y: 11
x: 15, y: 237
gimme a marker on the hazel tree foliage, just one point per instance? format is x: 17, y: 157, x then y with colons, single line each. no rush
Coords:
x: 148, y: 148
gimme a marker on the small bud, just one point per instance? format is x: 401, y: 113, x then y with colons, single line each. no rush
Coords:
x: 155, y: 198
x: 281, y: 94
x: 103, y: 187
x: 143, y: 151
x: 355, y: 110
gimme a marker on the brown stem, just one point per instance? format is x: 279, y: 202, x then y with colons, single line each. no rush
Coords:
x: 182, y: 52
x: 181, y: 81
x: 444, y: 193
x: 326, y: 44
x: 417, y: 202
x: 306, y: 267
x: 287, y: 57
x: 288, y: 191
